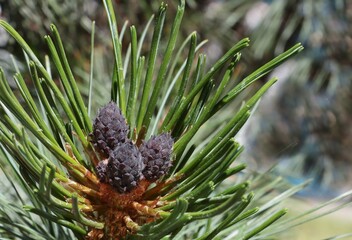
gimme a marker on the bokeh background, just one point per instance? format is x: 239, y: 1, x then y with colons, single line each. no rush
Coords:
x: 301, y: 128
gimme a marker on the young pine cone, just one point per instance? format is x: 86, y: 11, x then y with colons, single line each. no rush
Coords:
x: 109, y: 129
x: 156, y: 153
x: 124, y: 167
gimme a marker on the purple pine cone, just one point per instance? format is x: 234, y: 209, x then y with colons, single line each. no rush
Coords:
x: 156, y: 153
x: 124, y: 167
x: 109, y: 129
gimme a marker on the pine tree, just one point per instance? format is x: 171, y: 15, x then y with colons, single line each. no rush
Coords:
x: 73, y: 186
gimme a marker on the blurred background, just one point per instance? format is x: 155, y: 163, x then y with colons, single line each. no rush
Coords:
x: 301, y: 128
